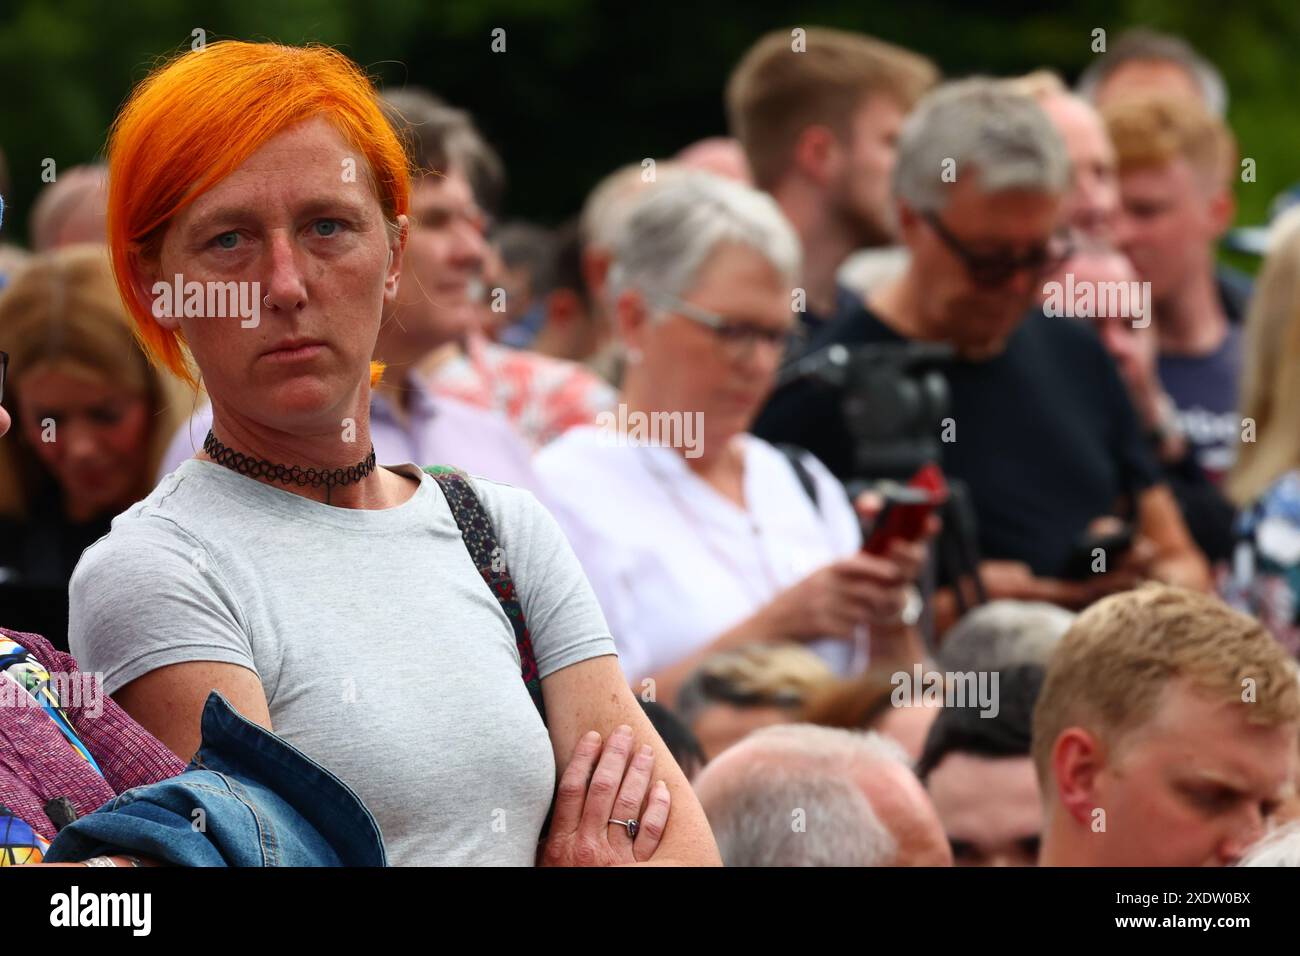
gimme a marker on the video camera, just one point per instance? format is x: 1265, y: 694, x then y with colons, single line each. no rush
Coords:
x: 894, y: 398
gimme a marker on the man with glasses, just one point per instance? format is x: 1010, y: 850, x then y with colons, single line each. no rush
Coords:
x: 1040, y: 429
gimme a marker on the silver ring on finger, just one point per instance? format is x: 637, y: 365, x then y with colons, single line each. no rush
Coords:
x: 632, y: 826
x: 913, y: 606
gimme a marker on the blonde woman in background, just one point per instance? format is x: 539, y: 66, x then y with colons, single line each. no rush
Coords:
x: 1264, y: 576
x: 735, y: 692
x: 91, y: 418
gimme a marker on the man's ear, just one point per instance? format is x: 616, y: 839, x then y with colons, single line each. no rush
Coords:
x: 817, y: 154
x: 1077, y: 760
x: 908, y: 219
x: 632, y: 316
x: 563, y: 306
x: 1223, y: 211
x: 146, y: 282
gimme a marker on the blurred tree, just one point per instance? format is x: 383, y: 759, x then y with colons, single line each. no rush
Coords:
x: 584, y: 85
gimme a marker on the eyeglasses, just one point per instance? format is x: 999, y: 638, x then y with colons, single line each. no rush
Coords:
x: 4, y: 369
x: 736, y: 339
x: 993, y: 270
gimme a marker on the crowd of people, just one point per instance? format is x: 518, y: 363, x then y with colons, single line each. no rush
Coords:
x: 452, y: 539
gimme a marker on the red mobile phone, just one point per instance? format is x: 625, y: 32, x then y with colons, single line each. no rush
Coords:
x: 907, y: 509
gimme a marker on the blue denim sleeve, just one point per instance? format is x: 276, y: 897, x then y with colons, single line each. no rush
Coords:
x: 248, y: 799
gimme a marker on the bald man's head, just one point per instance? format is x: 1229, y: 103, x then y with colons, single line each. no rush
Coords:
x: 73, y: 209
x: 1092, y: 203
x: 802, y: 795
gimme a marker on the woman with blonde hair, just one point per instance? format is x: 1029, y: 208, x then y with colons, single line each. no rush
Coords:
x: 1264, y: 577
x: 91, y: 418
x: 737, y: 691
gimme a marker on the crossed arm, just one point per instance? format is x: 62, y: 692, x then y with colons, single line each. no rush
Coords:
x: 591, y: 695
x: 594, y: 695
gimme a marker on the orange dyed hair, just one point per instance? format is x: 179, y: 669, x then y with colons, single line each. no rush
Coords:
x: 197, y: 118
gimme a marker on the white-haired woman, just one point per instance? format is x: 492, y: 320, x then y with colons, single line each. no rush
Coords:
x: 697, y: 536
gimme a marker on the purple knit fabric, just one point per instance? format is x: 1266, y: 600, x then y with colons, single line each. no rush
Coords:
x: 37, y: 764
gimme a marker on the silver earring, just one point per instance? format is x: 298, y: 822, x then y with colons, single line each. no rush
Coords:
x: 266, y: 303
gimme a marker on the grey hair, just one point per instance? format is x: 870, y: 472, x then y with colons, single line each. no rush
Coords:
x: 1002, y: 634
x: 1143, y: 44
x: 830, y: 743
x: 1279, y: 848
x: 802, y: 767
x: 982, y: 126
x: 680, y: 222
x: 611, y: 201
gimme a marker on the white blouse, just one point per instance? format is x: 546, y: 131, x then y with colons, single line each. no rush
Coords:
x: 673, y: 562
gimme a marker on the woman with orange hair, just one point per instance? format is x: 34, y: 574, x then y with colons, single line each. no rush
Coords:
x: 372, y: 616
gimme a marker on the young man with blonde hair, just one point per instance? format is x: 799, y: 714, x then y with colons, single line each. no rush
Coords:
x: 1165, y: 734
x: 1176, y: 163
x: 818, y: 112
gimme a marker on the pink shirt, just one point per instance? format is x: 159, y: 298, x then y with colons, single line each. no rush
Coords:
x: 37, y: 764
x: 542, y: 397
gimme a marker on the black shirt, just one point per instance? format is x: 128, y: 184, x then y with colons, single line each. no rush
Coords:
x: 847, y: 302
x: 37, y: 558
x: 1046, y: 439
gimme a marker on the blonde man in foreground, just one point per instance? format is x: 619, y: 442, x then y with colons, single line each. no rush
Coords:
x: 1165, y: 734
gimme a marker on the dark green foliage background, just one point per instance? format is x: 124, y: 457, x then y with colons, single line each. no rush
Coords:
x: 586, y: 85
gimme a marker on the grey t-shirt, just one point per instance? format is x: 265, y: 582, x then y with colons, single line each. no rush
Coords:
x: 383, y: 654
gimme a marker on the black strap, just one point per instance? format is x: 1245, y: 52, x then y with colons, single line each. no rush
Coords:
x: 794, y: 455
x: 481, y: 541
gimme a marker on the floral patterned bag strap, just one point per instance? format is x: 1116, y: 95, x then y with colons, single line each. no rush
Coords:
x: 476, y: 528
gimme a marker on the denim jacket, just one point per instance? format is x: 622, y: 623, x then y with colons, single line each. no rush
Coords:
x: 248, y: 798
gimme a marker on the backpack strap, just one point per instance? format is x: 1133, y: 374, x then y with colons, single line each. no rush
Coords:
x: 481, y: 542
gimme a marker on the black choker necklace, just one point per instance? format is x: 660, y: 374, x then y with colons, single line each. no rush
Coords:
x: 260, y: 468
